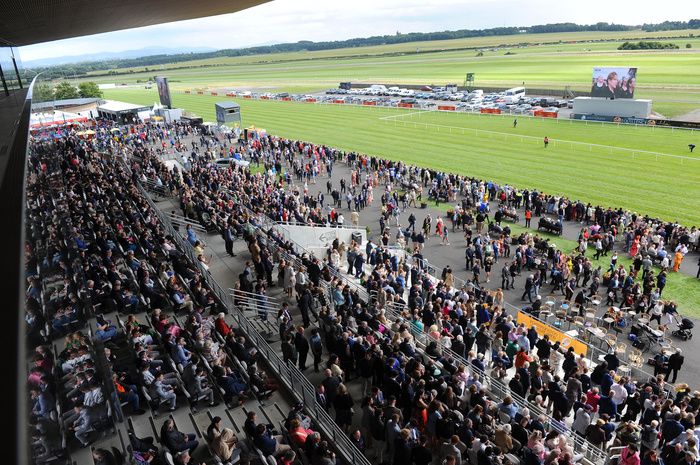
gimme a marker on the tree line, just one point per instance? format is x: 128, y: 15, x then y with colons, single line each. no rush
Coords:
x: 81, y: 69
x: 44, y: 92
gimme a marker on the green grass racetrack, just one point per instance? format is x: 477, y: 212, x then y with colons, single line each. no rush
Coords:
x: 647, y: 170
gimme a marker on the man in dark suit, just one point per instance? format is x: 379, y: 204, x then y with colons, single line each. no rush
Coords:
x: 175, y: 440
x: 675, y: 362
x: 536, y: 383
x: 289, y: 352
x: 458, y: 346
x: 321, y: 397
x: 611, y: 86
x: 359, y: 264
x: 250, y: 424
x: 524, y: 378
x: 301, y: 344
x: 305, y: 302
x: 315, y: 272
x: 229, y: 236
x: 330, y: 384
x: 392, y: 409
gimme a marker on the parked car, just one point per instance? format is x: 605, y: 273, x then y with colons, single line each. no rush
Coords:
x: 226, y: 162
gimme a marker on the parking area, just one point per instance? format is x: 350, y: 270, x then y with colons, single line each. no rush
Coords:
x: 513, y: 101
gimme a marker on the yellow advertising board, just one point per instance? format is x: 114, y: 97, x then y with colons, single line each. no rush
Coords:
x: 555, y: 335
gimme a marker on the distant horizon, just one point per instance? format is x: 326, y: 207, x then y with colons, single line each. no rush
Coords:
x: 285, y: 21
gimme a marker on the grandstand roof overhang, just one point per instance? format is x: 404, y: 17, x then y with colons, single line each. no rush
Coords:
x: 30, y: 22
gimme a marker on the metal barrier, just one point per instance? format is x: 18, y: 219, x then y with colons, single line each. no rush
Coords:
x: 433, y: 271
x: 344, y: 226
x: 159, y: 190
x: 183, y: 222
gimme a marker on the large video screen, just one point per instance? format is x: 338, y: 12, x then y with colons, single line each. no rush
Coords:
x: 163, y: 91
x: 614, y: 82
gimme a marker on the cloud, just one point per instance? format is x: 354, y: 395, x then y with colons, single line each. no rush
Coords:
x: 295, y: 20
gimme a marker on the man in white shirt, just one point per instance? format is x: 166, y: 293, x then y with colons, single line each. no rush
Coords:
x: 582, y: 419
x: 165, y: 392
x: 619, y: 394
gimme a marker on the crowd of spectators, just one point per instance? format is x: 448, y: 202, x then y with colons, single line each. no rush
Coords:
x: 470, y: 319
x: 424, y: 373
x: 142, y: 328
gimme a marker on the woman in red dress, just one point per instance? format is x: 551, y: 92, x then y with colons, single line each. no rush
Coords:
x: 634, y: 248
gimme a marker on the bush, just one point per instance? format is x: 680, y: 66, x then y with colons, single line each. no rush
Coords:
x: 509, y: 53
x: 688, y: 46
x: 647, y: 45
x: 480, y: 54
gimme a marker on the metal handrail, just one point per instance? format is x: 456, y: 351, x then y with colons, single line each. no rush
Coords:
x: 323, y: 225
x: 433, y: 271
x: 233, y: 291
x: 184, y: 221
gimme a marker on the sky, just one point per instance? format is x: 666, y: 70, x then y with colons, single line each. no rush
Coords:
x: 319, y: 20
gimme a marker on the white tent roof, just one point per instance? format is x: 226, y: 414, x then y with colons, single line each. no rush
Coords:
x: 113, y: 105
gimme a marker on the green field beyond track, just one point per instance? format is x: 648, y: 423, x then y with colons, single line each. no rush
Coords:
x: 647, y: 170
x: 671, y: 78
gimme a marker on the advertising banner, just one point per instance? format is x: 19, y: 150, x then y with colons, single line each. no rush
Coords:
x: 614, y: 83
x: 555, y: 335
x: 640, y: 121
x: 164, y: 91
x: 678, y: 124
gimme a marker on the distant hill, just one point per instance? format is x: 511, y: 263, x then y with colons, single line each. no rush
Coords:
x: 125, y: 54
